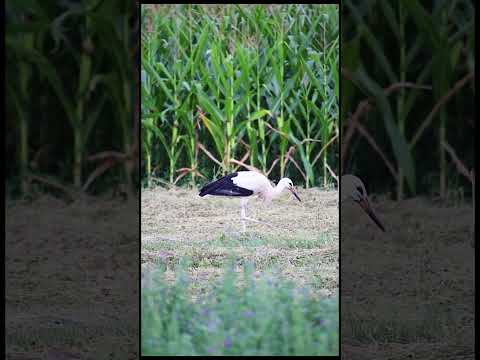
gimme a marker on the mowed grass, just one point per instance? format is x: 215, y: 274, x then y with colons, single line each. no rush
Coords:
x: 286, y: 275
x: 409, y: 292
x: 71, y: 278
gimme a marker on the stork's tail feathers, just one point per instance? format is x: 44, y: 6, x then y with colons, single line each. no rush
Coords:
x: 225, y: 187
x: 204, y: 190
x: 210, y: 187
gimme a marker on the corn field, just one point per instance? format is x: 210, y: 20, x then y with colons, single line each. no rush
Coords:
x: 239, y: 86
x: 408, y: 108
x: 72, y: 122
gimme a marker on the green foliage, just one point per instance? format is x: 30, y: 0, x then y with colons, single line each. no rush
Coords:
x: 70, y: 95
x: 242, y: 316
x: 240, y: 84
x: 409, y: 58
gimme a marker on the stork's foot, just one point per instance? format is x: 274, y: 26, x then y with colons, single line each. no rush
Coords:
x: 253, y: 220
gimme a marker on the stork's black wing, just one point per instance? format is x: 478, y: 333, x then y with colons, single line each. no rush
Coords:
x: 225, y: 187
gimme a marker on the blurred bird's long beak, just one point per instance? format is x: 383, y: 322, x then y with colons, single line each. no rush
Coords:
x: 365, y: 204
x: 294, y: 192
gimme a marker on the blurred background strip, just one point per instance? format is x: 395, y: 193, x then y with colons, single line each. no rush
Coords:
x: 407, y: 131
x: 71, y: 179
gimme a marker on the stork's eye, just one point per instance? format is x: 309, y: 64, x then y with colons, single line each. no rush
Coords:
x: 360, y: 190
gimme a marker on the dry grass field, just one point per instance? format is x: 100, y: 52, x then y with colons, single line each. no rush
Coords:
x: 61, y: 302
x: 302, y: 242
x: 410, y: 292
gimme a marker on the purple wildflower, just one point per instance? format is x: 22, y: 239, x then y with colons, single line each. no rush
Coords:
x: 227, y: 343
x: 248, y: 313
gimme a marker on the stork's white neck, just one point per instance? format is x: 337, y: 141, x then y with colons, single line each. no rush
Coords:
x: 272, y: 192
x: 278, y: 189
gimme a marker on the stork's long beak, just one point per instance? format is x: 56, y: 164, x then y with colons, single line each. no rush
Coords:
x: 294, y: 192
x: 365, y: 204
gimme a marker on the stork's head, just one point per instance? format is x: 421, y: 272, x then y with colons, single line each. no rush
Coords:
x: 352, y: 188
x: 288, y: 184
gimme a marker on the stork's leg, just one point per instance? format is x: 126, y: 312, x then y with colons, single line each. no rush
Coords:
x: 244, y: 216
x: 257, y: 221
x: 243, y: 203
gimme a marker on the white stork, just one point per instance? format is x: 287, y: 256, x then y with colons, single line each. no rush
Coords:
x: 245, y: 184
x: 352, y: 188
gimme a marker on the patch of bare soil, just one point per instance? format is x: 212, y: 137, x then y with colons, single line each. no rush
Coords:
x: 408, y: 293
x: 62, y: 301
x: 302, y: 241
